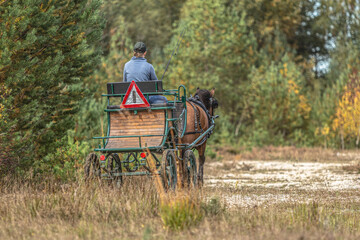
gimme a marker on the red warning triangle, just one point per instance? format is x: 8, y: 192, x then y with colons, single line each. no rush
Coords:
x: 134, y: 98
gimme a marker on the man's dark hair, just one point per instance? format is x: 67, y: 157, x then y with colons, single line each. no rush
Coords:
x: 140, y: 47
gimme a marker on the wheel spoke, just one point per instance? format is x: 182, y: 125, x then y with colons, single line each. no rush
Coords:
x: 168, y: 171
x: 190, y: 168
x: 114, y: 166
x: 91, y: 167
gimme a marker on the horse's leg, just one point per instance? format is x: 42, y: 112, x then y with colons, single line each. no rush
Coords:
x: 201, y: 151
x: 182, y: 168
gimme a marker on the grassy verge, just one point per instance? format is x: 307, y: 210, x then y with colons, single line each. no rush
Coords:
x: 48, y: 210
x: 289, y: 153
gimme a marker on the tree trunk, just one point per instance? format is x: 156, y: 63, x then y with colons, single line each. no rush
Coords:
x: 358, y: 138
x: 237, y: 129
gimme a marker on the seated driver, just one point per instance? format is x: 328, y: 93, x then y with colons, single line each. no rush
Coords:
x: 139, y: 70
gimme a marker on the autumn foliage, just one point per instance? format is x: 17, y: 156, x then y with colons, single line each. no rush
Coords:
x: 284, y: 71
x: 347, y: 115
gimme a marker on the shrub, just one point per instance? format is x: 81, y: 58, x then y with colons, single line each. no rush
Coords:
x: 213, y: 207
x: 179, y: 212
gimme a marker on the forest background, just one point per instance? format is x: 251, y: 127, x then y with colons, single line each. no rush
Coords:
x: 285, y: 71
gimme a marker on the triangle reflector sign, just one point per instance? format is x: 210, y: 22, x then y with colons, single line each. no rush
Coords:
x: 134, y: 98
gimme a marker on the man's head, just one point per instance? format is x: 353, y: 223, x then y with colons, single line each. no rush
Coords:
x: 139, y: 49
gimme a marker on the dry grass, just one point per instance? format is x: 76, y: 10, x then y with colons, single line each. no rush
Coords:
x: 289, y: 153
x: 353, y: 167
x: 77, y: 210
x: 80, y: 211
x: 47, y: 209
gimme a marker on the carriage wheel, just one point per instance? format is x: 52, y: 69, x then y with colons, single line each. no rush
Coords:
x: 131, y: 159
x: 114, y: 166
x: 190, y: 171
x: 168, y: 169
x: 92, y: 167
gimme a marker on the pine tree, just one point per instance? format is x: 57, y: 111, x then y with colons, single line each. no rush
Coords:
x: 217, y: 50
x: 266, y: 17
x: 47, y: 48
x: 88, y: 121
x: 146, y: 20
x: 277, y: 103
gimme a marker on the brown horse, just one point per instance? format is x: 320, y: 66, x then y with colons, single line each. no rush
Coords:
x: 197, y: 122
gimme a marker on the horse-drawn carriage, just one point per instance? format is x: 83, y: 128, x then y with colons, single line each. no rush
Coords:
x: 137, y: 130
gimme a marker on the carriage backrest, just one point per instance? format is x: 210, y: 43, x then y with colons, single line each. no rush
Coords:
x: 145, y: 87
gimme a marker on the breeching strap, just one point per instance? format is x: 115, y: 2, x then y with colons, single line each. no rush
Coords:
x: 197, y: 121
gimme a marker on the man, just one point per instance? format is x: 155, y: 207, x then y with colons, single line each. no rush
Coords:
x: 139, y: 70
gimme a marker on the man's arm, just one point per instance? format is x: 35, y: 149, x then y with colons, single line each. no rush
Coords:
x: 152, y: 73
x: 124, y: 74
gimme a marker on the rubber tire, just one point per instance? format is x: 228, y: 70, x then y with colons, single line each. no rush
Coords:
x: 115, y: 162
x: 168, y: 170
x: 190, y: 169
x: 92, y: 167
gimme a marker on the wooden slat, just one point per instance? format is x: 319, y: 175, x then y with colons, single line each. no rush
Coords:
x: 138, y: 129
x: 145, y: 124
x: 143, y: 139
x: 118, y: 127
x: 137, y: 123
x: 139, y: 115
x: 128, y: 132
x: 127, y: 123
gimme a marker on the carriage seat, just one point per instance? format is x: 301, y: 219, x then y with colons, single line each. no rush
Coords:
x: 162, y: 104
x: 152, y: 105
x: 145, y: 87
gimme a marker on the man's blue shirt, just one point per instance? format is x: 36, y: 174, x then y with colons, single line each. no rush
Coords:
x: 138, y: 70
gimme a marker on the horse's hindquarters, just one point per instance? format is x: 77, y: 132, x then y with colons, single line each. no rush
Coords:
x: 196, y: 123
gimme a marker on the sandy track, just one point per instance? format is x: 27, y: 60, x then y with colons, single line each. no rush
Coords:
x: 281, y: 181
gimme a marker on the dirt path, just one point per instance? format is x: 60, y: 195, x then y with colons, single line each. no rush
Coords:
x: 249, y: 183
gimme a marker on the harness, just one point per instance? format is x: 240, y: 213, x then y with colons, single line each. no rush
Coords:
x: 196, y: 100
x: 197, y: 120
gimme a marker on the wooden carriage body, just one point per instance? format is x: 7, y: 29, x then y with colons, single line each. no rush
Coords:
x: 143, y: 129
x: 137, y: 129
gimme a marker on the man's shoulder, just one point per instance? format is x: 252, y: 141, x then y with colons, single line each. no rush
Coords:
x: 127, y: 63
x: 149, y: 65
x: 143, y: 62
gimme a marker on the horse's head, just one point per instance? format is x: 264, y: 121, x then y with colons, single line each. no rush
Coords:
x: 208, y: 99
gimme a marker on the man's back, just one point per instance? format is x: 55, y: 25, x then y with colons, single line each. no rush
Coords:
x: 139, y: 70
